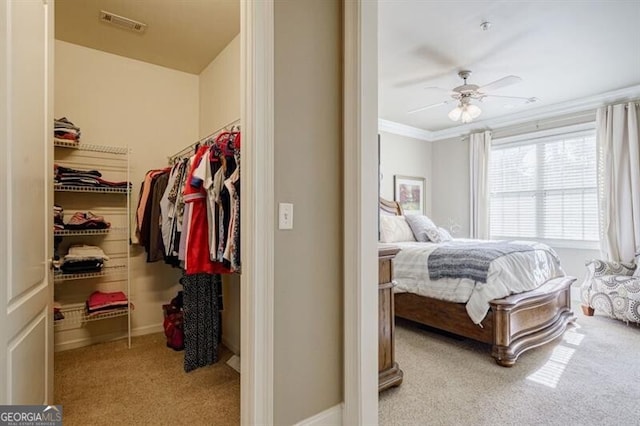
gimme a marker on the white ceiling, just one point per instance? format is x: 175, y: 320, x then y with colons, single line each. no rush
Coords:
x: 185, y: 35
x: 562, y: 50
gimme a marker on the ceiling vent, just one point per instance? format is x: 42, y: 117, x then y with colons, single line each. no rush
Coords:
x: 122, y: 22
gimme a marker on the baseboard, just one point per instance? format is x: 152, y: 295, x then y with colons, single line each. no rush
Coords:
x: 138, y: 331
x: 108, y: 337
x: 231, y: 346
x: 89, y: 340
x: 575, y: 295
x: 329, y: 417
x: 147, y: 329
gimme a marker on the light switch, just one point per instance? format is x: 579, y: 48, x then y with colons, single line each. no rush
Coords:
x: 285, y: 216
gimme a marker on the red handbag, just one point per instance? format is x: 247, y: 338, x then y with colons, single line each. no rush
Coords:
x: 173, y: 327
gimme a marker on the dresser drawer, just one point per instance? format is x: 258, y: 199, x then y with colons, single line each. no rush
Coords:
x: 389, y: 374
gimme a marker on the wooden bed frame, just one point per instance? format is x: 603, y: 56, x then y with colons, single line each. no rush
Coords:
x: 513, y: 325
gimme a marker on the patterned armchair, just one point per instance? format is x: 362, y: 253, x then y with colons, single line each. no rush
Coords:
x: 611, y: 288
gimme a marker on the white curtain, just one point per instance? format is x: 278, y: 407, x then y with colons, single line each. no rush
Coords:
x: 480, y: 149
x: 619, y: 181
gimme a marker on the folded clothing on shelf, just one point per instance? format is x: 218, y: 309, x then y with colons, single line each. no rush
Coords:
x: 85, y: 252
x: 82, y: 259
x: 99, y: 302
x: 57, y: 311
x: 58, y: 216
x: 67, y: 171
x: 65, y: 130
x: 81, y: 266
x: 87, y: 220
x: 92, y: 178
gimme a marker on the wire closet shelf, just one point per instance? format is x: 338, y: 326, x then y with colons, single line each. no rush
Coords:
x: 106, y: 271
x: 77, y: 314
x: 95, y: 148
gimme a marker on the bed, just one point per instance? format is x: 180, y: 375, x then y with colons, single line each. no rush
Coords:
x: 512, y: 325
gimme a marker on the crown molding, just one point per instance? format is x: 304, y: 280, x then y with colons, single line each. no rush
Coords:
x: 404, y: 130
x: 543, y: 112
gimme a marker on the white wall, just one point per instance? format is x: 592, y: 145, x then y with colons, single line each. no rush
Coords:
x: 154, y: 110
x: 219, y: 88
x: 401, y: 155
x: 573, y: 261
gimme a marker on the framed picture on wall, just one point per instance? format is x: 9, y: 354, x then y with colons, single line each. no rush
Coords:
x: 409, y: 193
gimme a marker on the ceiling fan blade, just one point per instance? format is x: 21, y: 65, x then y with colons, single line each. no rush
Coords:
x: 413, y: 111
x: 441, y: 89
x: 500, y: 83
x: 526, y: 100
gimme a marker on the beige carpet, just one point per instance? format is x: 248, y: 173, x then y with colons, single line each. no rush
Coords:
x: 589, y: 377
x: 108, y: 384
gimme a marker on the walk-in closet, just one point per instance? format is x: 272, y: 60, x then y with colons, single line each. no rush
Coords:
x: 146, y: 158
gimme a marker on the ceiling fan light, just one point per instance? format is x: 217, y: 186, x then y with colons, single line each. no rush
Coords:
x: 466, y: 116
x: 473, y: 110
x: 455, y: 113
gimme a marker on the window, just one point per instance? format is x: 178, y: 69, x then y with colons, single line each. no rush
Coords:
x: 545, y: 188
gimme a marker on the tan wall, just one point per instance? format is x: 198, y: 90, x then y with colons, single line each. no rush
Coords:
x: 154, y: 110
x: 401, y: 155
x: 220, y: 89
x: 450, y: 184
x: 308, y: 161
x: 219, y: 106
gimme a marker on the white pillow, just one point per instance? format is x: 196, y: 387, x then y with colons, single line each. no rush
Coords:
x: 438, y: 235
x: 434, y: 235
x: 422, y: 227
x: 637, y: 271
x: 395, y: 229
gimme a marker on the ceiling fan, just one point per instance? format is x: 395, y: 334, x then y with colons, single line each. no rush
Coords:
x: 462, y: 95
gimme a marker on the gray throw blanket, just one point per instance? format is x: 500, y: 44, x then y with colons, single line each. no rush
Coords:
x: 469, y: 259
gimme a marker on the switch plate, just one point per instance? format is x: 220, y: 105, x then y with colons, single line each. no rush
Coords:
x: 285, y: 216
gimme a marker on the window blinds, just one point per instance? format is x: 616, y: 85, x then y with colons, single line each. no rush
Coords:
x: 545, y: 188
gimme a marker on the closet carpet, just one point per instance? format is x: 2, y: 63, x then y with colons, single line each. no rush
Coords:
x: 589, y: 377
x: 108, y: 384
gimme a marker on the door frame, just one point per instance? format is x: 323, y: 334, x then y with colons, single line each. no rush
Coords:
x: 360, y: 192
x: 258, y: 217
x: 360, y: 186
x: 360, y: 205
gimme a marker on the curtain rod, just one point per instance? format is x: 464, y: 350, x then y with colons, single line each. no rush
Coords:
x: 193, y: 145
x: 523, y: 128
x: 520, y: 127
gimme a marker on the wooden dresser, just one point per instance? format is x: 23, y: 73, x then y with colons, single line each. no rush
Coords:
x: 389, y: 374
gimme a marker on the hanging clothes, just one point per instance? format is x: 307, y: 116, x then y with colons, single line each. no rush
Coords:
x: 148, y: 207
x: 197, y: 258
x: 198, y: 196
x: 189, y: 214
x: 170, y: 217
x: 201, y: 320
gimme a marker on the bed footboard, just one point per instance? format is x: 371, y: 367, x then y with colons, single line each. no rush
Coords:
x: 525, y: 321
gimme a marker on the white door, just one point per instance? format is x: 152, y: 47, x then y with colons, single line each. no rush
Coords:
x: 26, y: 292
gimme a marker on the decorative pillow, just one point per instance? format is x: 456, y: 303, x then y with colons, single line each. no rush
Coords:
x: 444, y: 235
x: 421, y: 226
x: 395, y: 229
x: 434, y: 235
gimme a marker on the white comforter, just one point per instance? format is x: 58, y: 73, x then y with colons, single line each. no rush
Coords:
x: 509, y: 274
